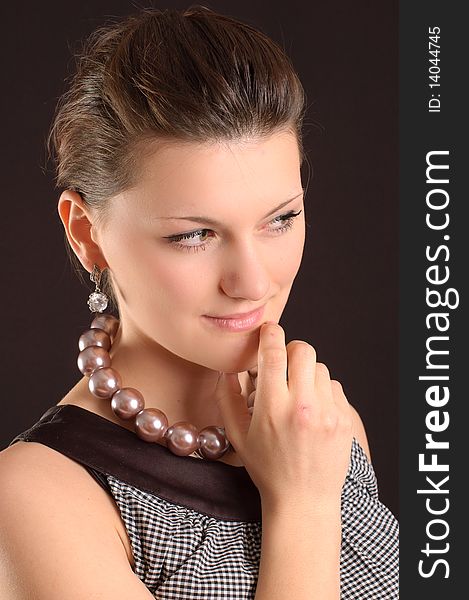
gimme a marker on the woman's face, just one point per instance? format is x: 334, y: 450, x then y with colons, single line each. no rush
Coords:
x: 170, y: 271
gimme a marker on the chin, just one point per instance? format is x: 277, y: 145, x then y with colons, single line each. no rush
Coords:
x: 237, y: 366
x: 237, y: 370
x: 233, y: 353
x: 229, y: 363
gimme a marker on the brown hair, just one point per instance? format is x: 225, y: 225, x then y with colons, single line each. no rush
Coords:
x: 192, y: 75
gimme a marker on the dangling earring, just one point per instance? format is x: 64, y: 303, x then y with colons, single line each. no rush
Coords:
x: 97, y: 300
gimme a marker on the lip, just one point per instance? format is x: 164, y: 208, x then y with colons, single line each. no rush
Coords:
x: 239, y: 321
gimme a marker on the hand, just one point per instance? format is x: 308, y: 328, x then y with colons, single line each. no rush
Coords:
x: 252, y: 396
x: 297, y: 442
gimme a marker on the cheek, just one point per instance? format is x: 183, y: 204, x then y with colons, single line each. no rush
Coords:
x: 148, y: 277
x: 172, y: 284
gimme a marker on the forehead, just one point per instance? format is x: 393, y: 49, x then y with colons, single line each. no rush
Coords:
x: 188, y: 175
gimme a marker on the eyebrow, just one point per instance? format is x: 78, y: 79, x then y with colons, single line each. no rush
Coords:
x: 202, y: 219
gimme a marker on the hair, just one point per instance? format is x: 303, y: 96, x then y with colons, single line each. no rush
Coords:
x: 166, y: 75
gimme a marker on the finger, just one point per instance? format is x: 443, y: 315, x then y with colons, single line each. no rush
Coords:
x: 322, y: 385
x: 233, y: 409
x: 251, y: 399
x: 343, y: 406
x: 253, y: 372
x: 323, y: 406
x: 271, y: 365
x: 338, y: 395
x: 301, y: 369
x: 253, y: 375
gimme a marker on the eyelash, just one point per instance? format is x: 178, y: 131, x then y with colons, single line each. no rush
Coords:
x: 287, y: 218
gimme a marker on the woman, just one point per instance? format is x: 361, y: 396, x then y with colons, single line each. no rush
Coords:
x: 224, y: 463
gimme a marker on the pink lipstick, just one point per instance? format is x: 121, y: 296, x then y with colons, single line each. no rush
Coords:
x: 237, y: 322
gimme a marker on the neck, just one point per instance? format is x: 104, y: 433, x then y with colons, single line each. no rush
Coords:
x: 183, y: 390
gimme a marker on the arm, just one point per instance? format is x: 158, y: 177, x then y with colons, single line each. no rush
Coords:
x: 300, y: 553
x: 54, y: 544
x: 296, y: 444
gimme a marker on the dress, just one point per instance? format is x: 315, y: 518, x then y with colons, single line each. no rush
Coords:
x: 195, y: 525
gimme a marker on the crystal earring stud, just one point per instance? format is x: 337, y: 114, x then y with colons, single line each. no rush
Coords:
x: 97, y: 300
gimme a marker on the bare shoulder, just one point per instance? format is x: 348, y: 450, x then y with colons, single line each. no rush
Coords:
x: 58, y: 524
x: 27, y: 454
x: 359, y: 432
x: 37, y: 467
x: 30, y: 468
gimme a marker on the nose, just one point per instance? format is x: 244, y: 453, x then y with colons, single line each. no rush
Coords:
x: 245, y: 273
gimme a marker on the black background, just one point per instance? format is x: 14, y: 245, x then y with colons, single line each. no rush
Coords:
x: 345, y: 298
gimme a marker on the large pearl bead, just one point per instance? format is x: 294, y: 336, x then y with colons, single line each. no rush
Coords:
x: 151, y: 424
x: 127, y: 402
x: 106, y: 322
x: 94, y: 337
x: 103, y: 383
x: 181, y: 438
x: 92, y: 358
x: 213, y: 442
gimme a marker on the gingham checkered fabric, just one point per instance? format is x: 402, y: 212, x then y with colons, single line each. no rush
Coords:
x: 182, y: 554
x: 195, y: 526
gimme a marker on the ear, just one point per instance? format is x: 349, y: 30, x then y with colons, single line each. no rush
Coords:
x: 76, y: 219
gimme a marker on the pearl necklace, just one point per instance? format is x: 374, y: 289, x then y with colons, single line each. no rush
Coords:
x: 151, y: 424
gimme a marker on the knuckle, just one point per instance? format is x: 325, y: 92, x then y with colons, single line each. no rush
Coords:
x: 306, y: 417
x: 337, y: 386
x: 302, y: 349
x: 329, y: 421
x: 273, y: 358
x: 303, y: 415
x: 321, y: 369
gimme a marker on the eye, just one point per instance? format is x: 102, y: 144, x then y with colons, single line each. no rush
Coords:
x: 285, y: 221
x: 199, y: 235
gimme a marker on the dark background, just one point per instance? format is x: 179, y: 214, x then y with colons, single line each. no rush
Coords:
x: 345, y: 298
